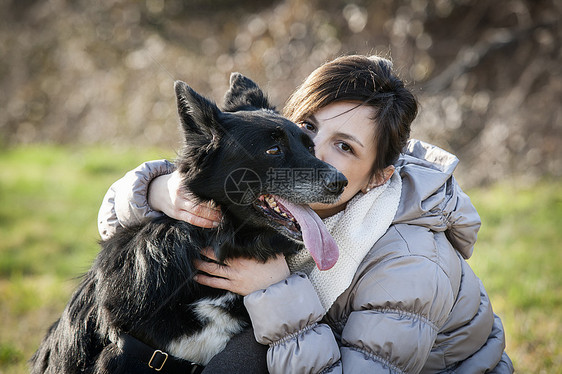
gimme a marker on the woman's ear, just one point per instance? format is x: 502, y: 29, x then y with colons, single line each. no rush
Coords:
x: 379, y: 178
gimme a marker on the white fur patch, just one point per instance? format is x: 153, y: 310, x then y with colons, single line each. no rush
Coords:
x: 201, y: 347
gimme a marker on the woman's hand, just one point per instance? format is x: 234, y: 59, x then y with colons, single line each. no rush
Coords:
x: 241, y: 275
x: 166, y: 195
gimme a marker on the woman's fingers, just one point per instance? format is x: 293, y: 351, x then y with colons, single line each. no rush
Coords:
x: 202, y: 214
x: 212, y: 273
x: 212, y: 268
x: 214, y: 282
x: 209, y: 253
x: 239, y: 275
x: 168, y: 195
x: 205, y: 209
x: 195, y: 220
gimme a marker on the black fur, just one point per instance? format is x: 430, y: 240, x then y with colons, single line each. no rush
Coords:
x: 142, y: 283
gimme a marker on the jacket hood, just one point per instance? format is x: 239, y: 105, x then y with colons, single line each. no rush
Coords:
x: 432, y: 198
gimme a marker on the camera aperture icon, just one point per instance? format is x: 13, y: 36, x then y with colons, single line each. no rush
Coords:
x: 241, y: 186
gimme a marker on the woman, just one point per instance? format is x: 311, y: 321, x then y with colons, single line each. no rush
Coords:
x: 401, y: 297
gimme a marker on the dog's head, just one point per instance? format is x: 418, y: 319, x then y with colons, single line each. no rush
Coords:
x: 257, y: 165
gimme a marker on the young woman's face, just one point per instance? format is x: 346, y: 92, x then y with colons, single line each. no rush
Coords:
x: 343, y: 135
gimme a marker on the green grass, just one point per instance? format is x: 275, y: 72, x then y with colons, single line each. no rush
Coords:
x: 49, y: 198
x: 519, y: 258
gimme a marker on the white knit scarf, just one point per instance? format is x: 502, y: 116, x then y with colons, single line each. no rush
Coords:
x: 355, y: 229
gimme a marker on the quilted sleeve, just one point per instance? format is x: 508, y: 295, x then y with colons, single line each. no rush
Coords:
x: 125, y: 203
x: 287, y: 316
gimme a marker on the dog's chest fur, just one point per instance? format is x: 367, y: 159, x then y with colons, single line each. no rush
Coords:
x: 219, y: 328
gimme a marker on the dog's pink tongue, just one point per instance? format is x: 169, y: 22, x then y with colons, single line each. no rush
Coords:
x: 317, y: 239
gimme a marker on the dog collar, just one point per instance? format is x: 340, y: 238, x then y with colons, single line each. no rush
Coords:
x: 156, y: 359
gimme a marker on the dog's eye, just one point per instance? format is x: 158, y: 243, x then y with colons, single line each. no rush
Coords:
x: 275, y: 150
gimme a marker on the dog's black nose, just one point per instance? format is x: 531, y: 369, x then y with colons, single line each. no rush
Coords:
x: 335, y: 183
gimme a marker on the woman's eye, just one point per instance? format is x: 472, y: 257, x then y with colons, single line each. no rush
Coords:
x: 307, y: 126
x: 275, y: 150
x: 345, y: 147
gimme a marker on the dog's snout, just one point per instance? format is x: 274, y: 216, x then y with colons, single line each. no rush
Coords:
x: 335, y: 183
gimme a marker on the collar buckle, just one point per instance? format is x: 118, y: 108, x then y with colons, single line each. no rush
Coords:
x: 162, y: 356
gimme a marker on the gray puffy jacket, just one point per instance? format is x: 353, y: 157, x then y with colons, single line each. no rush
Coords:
x: 413, y: 306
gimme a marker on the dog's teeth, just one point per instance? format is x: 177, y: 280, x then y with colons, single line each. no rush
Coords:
x: 277, y: 209
x: 284, y: 215
x: 273, y: 203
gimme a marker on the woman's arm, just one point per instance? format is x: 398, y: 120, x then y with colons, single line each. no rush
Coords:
x: 285, y: 312
x: 398, y: 307
x: 287, y: 316
x: 393, y: 326
x: 148, y: 191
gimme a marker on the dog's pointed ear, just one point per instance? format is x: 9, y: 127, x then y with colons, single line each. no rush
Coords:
x: 197, y: 114
x: 244, y: 94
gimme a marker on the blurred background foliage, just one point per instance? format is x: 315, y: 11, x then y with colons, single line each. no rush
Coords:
x: 86, y: 93
x: 488, y: 74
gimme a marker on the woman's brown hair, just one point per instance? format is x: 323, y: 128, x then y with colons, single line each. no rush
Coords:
x: 368, y: 81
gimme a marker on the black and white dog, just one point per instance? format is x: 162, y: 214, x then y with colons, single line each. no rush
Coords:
x: 138, y: 309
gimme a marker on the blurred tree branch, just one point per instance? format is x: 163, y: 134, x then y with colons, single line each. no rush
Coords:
x: 469, y: 57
